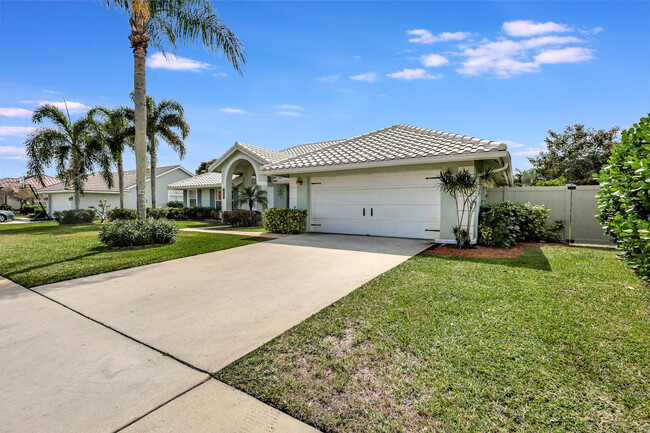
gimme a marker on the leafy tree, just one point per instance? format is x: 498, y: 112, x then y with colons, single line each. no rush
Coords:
x: 21, y: 195
x: 251, y: 195
x: 465, y: 188
x: 115, y: 133
x: 576, y: 154
x: 624, y: 196
x: 525, y: 177
x: 162, y: 23
x: 71, y: 146
x: 204, y: 166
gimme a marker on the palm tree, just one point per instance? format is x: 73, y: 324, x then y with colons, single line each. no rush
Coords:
x: 162, y: 119
x: 465, y: 187
x: 115, y: 132
x: 72, y: 146
x: 251, y: 195
x: 162, y: 23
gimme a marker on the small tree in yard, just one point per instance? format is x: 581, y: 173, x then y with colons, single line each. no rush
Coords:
x: 21, y: 195
x: 624, y: 197
x: 251, y: 195
x: 465, y: 188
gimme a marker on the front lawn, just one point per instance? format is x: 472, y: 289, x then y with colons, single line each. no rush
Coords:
x: 244, y: 229
x: 557, y: 339
x: 42, y: 253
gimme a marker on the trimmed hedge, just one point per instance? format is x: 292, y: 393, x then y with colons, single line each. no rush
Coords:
x: 122, y: 214
x: 624, y: 197
x: 31, y: 208
x: 129, y: 233
x: 285, y: 221
x: 241, y: 218
x: 74, y: 216
x: 504, y: 224
x: 6, y: 206
x: 175, y: 203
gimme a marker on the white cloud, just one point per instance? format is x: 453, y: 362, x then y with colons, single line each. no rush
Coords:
x: 368, y: 77
x: 565, y: 55
x: 12, y: 152
x: 529, y: 152
x: 175, y: 63
x: 413, y: 74
x: 423, y: 36
x: 356, y: 57
x: 433, y: 60
x: 289, y: 107
x: 54, y: 92
x: 528, y: 28
x: 72, y: 106
x: 549, y: 40
x: 593, y: 31
x: 288, y: 113
x: 14, y: 112
x: 233, y: 110
x: 15, y: 131
x: 512, y: 144
x: 329, y: 78
x: 220, y: 74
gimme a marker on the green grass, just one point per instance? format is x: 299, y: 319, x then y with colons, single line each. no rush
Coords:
x: 43, y: 253
x: 245, y: 229
x: 555, y: 340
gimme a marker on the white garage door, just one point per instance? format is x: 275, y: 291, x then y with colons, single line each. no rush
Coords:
x: 402, y: 204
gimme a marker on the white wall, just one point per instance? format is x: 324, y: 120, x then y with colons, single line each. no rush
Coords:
x: 60, y: 202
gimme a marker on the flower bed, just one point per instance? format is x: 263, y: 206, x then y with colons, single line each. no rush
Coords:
x: 130, y: 233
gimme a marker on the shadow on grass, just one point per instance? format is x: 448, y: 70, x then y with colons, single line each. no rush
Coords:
x: 49, y: 230
x: 92, y: 252
x: 532, y: 258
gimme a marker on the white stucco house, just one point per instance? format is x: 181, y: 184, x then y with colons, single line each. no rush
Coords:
x: 59, y: 197
x: 383, y: 183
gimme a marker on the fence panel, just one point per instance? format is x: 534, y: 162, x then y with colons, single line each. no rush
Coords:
x: 575, y: 206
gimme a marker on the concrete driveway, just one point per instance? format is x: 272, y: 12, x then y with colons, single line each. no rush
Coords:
x: 204, y: 311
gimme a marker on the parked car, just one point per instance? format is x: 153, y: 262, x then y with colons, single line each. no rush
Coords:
x: 6, y: 215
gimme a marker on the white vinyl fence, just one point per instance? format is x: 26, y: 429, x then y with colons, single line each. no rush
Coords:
x: 576, y: 206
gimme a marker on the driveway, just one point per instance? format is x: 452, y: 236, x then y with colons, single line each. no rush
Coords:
x: 203, y: 311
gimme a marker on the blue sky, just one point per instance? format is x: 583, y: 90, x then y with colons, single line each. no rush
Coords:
x: 506, y: 71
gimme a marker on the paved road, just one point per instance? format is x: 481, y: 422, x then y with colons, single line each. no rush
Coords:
x: 87, y: 354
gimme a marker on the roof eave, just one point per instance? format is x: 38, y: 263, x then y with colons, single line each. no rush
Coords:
x: 229, y: 152
x: 212, y: 185
x: 392, y: 163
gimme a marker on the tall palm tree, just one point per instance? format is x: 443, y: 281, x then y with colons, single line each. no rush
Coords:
x: 162, y: 119
x: 115, y: 132
x: 162, y: 23
x: 251, y: 195
x: 72, y: 146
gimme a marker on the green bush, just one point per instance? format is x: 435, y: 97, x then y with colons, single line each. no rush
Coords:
x: 128, y: 233
x: 215, y: 215
x: 284, y: 220
x: 5, y: 206
x: 122, y: 214
x: 624, y: 197
x: 158, y: 212
x: 504, y: 224
x: 560, y: 181
x: 74, y: 216
x: 175, y: 203
x: 176, y: 213
x: 241, y: 218
x: 198, y: 213
x: 30, y: 208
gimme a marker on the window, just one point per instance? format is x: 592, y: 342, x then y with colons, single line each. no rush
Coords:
x: 174, y: 195
x: 191, y: 194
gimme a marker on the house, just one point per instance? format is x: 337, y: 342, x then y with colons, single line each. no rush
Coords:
x: 61, y: 197
x: 382, y: 183
x: 12, y: 186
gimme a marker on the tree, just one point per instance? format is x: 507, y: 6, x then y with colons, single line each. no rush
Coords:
x: 204, y: 166
x: 115, y: 133
x: 251, y: 195
x: 162, y: 119
x: 576, y: 154
x: 72, y: 146
x: 465, y: 188
x: 624, y: 197
x: 21, y: 195
x: 525, y: 177
x: 162, y: 23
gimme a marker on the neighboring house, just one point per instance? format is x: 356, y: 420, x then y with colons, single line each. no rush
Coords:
x: 16, y: 184
x: 382, y: 183
x: 59, y: 197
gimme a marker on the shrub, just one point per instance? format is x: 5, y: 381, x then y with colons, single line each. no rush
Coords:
x: 624, y: 197
x: 215, y: 215
x: 175, y: 203
x: 158, y: 212
x: 560, y: 181
x: 74, y: 216
x: 284, y: 220
x: 28, y: 208
x: 198, y: 213
x: 176, y: 213
x: 5, y: 206
x: 122, y: 214
x: 139, y: 232
x: 504, y: 224
x: 241, y: 218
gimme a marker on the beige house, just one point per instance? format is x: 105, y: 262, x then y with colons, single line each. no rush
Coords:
x: 383, y: 183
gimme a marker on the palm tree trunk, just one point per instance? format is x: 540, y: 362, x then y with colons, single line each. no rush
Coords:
x: 120, y: 180
x: 152, y: 178
x: 76, y: 179
x: 139, y: 43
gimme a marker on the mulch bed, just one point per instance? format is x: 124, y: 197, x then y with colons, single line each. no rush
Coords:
x: 480, y: 251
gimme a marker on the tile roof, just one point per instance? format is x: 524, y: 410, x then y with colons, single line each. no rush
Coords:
x: 310, y: 147
x: 267, y: 155
x: 397, y: 142
x: 96, y: 183
x: 211, y: 178
x: 30, y: 180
